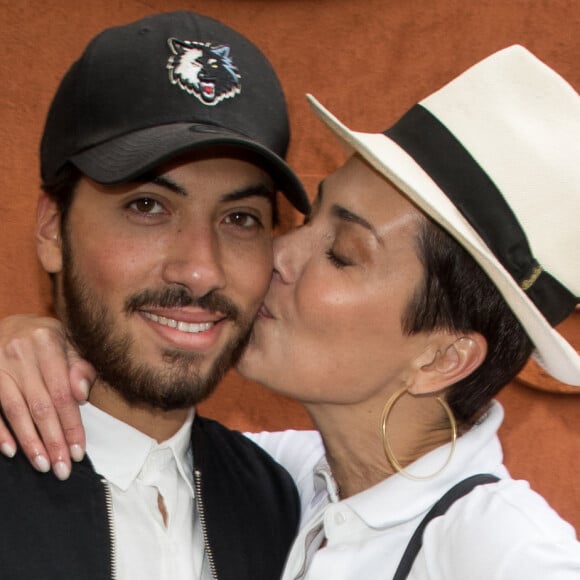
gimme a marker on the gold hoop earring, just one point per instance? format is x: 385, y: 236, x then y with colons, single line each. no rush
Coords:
x: 387, y: 444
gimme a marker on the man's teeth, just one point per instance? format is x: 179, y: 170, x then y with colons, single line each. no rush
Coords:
x: 183, y: 326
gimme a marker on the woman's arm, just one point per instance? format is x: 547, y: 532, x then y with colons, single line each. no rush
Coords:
x: 42, y: 379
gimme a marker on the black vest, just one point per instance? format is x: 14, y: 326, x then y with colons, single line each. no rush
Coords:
x: 54, y: 530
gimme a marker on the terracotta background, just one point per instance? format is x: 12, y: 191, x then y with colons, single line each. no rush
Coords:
x: 368, y: 60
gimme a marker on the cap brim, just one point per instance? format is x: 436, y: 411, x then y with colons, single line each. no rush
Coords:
x: 552, y: 351
x: 127, y: 157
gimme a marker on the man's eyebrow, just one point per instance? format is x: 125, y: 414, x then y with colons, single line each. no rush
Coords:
x: 342, y: 213
x: 164, y: 181
x: 260, y: 190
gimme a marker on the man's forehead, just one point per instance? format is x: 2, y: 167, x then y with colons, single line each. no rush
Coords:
x: 203, y: 172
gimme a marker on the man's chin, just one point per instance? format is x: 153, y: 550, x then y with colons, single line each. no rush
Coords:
x: 153, y: 393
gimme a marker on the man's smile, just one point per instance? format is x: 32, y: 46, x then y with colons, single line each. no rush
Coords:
x: 179, y: 324
x: 194, y: 330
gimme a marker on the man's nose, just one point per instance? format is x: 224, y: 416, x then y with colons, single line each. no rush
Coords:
x: 194, y: 260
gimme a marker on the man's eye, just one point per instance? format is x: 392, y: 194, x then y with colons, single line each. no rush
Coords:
x: 242, y: 220
x: 146, y: 205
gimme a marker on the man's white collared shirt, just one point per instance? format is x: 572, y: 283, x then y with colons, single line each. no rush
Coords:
x: 137, y: 471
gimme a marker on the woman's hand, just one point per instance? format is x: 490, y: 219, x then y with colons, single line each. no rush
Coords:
x: 42, y: 380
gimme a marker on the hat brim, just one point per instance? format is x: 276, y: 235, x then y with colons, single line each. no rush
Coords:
x: 127, y: 157
x: 552, y: 351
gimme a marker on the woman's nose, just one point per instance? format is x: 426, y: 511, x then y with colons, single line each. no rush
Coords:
x: 289, y: 252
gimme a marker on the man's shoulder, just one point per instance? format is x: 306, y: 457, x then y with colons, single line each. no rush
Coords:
x: 232, y: 465
x: 29, y: 498
x: 17, y: 476
x: 45, y: 520
x: 214, y: 432
x: 215, y: 442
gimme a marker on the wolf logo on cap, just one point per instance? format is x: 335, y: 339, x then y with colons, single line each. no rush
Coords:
x: 204, y: 70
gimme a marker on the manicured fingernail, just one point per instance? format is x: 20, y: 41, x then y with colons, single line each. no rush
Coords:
x: 41, y: 463
x: 7, y: 450
x: 84, y: 387
x: 76, y: 452
x: 61, y: 470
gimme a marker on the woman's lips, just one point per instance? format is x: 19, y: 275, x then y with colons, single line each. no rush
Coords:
x: 264, y: 312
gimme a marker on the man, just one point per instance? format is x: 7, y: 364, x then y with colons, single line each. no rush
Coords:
x: 156, y: 228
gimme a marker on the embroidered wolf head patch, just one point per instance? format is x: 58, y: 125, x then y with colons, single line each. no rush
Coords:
x: 204, y: 70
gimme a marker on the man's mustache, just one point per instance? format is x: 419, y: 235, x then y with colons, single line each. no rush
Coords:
x: 178, y: 297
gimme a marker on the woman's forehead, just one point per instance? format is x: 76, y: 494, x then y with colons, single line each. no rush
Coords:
x: 361, y: 189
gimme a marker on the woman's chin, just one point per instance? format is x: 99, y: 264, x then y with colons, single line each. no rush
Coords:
x: 246, y: 365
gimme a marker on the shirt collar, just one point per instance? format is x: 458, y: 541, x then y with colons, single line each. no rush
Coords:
x: 120, y: 464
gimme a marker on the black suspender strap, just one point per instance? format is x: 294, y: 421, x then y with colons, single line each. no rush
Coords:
x: 456, y: 492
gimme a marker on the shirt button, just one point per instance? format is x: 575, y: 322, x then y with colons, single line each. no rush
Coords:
x: 339, y: 518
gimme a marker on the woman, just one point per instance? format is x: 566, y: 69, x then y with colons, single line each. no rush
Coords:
x: 396, y: 335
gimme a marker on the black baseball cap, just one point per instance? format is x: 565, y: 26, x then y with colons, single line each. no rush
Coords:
x: 145, y: 93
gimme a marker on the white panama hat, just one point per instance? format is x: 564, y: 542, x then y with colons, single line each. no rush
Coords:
x: 494, y: 158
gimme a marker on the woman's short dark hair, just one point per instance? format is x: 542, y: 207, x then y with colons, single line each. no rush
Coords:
x: 456, y: 295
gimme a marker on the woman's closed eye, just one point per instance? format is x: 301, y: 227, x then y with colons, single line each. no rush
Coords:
x: 336, y: 260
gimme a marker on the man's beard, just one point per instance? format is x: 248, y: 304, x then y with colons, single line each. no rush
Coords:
x: 91, y: 328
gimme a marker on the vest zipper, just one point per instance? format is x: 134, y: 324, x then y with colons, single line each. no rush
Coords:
x: 109, y: 507
x: 201, y: 514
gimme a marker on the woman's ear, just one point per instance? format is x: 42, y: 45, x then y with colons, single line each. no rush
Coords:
x: 453, y: 358
x: 48, y: 239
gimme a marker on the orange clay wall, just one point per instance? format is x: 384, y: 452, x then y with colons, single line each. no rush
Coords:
x: 368, y: 61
